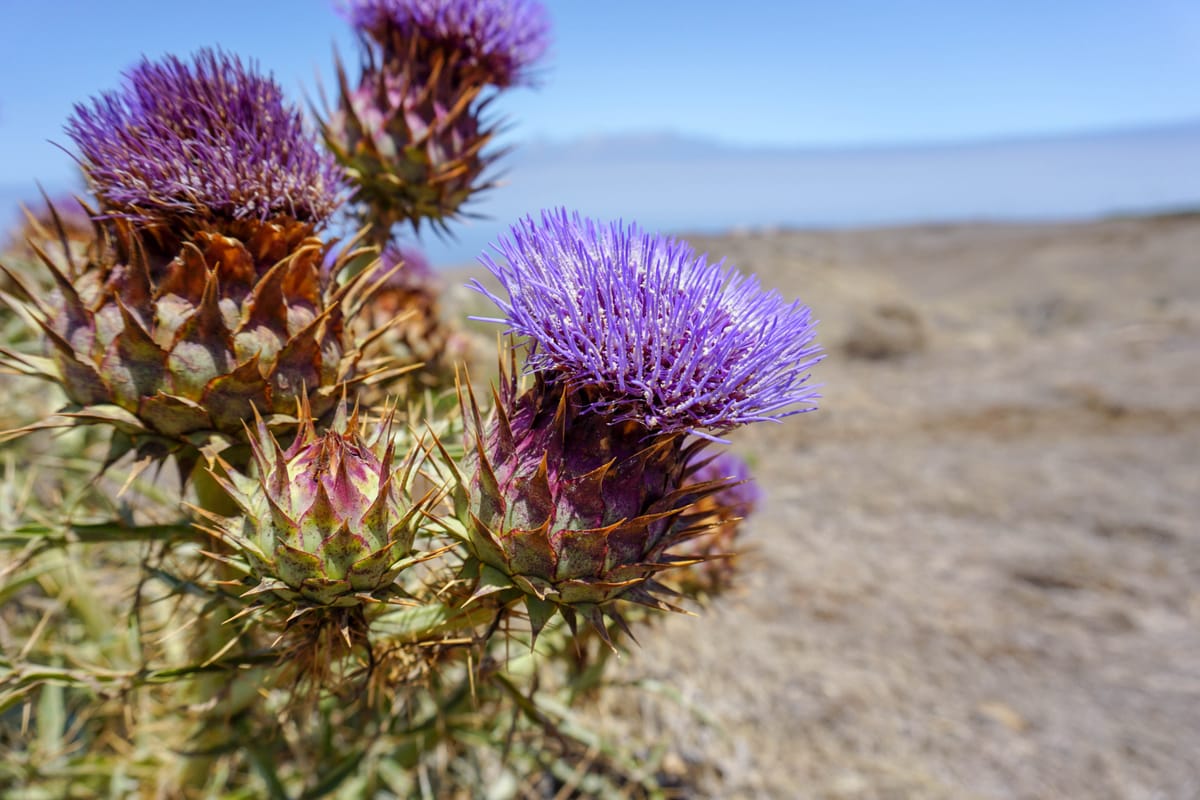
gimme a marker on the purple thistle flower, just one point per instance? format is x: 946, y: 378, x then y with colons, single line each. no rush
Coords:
x: 209, y: 138
x: 416, y: 274
x: 662, y: 336
x: 501, y: 38
x: 742, y: 495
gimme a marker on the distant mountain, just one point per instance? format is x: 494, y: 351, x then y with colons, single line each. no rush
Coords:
x: 669, y: 182
x: 676, y: 183
x: 628, y: 147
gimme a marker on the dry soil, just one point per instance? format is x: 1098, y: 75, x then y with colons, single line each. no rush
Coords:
x: 977, y: 570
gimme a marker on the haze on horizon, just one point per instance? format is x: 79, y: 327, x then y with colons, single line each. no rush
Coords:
x: 785, y: 76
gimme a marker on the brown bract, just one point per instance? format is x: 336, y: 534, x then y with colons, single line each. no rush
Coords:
x: 175, y: 340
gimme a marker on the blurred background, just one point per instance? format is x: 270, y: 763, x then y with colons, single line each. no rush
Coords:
x: 709, y: 116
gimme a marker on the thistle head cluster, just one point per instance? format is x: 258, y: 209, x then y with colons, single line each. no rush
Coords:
x: 201, y: 314
x: 203, y: 141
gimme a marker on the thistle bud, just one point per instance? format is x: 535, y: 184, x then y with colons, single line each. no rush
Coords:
x: 328, y: 520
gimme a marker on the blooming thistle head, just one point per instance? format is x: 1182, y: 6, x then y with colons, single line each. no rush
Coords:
x: 203, y: 141
x: 716, y: 549
x: 201, y: 297
x: 656, y: 333
x: 582, y: 486
x: 494, y: 42
x: 412, y: 133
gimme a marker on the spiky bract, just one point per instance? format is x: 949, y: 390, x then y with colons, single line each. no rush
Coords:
x: 408, y: 299
x: 63, y: 224
x: 716, y: 550
x: 327, y: 521
x: 664, y: 338
x: 575, y: 511
x: 189, y: 142
x: 171, y: 350
x: 740, y: 495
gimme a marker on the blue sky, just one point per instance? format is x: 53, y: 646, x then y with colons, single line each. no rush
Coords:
x: 781, y: 73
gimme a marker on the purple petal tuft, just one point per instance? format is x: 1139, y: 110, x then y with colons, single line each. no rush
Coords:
x: 504, y: 38
x: 211, y: 138
x: 666, y: 338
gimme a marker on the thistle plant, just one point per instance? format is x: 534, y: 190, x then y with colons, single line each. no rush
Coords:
x: 202, y: 298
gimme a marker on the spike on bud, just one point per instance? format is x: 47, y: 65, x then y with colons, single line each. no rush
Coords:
x: 719, y: 528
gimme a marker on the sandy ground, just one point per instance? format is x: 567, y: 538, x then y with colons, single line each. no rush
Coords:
x: 977, y: 574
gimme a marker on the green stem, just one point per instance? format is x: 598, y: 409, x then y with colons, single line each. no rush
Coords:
x: 96, y: 533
